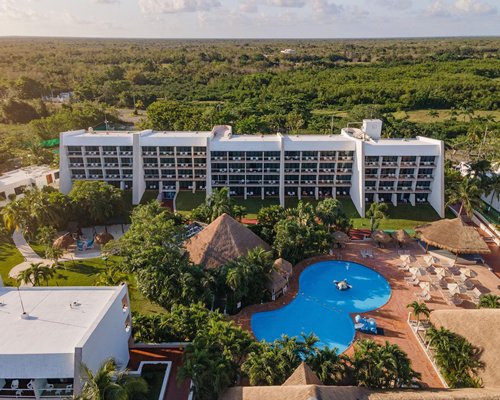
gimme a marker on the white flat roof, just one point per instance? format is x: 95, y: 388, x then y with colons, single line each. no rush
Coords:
x: 53, y: 326
x: 22, y: 174
x: 175, y: 134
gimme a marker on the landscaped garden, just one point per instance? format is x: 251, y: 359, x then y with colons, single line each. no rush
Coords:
x: 9, y: 258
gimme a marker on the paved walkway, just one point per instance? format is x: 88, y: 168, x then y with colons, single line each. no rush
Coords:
x: 27, y: 252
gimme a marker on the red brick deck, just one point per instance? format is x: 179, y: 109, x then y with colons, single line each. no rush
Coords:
x: 175, y: 390
x: 391, y: 317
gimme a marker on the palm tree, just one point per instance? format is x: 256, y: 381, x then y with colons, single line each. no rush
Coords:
x: 219, y: 203
x: 111, y: 277
x: 433, y: 114
x: 331, y: 214
x: 468, y: 194
x: 107, y: 383
x: 489, y: 301
x: 36, y: 274
x: 330, y: 367
x: 419, y: 309
x: 376, y: 212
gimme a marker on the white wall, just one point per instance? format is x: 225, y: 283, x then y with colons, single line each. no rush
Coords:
x: 436, y: 197
x: 496, y: 201
x: 357, y: 179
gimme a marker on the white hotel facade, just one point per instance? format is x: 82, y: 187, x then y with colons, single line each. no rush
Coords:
x: 358, y: 164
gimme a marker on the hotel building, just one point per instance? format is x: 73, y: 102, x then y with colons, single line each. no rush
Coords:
x: 48, y: 332
x: 358, y: 164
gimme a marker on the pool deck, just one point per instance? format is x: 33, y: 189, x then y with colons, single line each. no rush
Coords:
x: 392, y: 317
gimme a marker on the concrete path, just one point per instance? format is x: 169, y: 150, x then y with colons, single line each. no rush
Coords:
x: 27, y: 252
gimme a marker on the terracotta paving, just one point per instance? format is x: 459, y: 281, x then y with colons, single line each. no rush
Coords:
x: 175, y: 390
x: 393, y: 315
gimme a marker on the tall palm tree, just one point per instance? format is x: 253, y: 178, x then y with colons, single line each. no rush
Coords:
x: 107, y: 383
x: 111, y: 277
x: 376, y: 212
x: 219, y: 203
x: 419, y: 309
x: 468, y: 194
x: 36, y: 274
x: 330, y: 367
x: 489, y: 301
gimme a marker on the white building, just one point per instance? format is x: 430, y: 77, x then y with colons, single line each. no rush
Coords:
x: 357, y: 164
x: 13, y: 183
x: 46, y: 333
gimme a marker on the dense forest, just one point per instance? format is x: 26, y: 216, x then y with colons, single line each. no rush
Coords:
x: 451, y: 84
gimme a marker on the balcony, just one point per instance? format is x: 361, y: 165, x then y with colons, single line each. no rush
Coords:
x: 95, y: 176
x: 166, y: 153
x: 94, y: 165
x: 75, y: 164
x: 114, y: 176
x: 428, y: 163
x: 425, y: 176
x: 125, y: 153
x: 75, y: 153
x: 109, y: 153
x: 36, y: 388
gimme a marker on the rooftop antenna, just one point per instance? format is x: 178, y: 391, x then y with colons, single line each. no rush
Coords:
x: 24, y: 315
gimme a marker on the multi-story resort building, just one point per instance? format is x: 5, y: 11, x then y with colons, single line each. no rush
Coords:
x: 358, y: 164
x: 48, y: 332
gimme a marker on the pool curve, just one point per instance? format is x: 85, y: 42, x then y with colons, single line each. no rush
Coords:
x: 322, y: 309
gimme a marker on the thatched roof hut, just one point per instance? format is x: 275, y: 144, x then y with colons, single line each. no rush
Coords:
x: 276, y: 283
x: 340, y: 237
x: 401, y: 236
x: 283, y: 266
x: 103, y: 238
x: 222, y: 241
x: 303, y: 375
x: 478, y: 326
x: 381, y: 236
x: 453, y: 235
x: 64, y: 241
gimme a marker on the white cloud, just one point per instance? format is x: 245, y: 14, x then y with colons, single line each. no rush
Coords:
x: 10, y: 11
x: 105, y: 1
x: 325, y: 7
x: 394, y: 4
x: 177, y: 6
x: 459, y: 8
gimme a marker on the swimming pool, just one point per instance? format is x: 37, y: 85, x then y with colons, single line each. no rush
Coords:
x: 321, y: 308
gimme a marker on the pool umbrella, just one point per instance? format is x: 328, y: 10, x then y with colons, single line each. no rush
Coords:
x: 407, y: 258
x: 429, y: 260
x: 103, y: 238
x: 64, y: 241
x: 418, y: 271
x: 454, y: 236
x: 442, y: 272
x: 467, y: 272
x: 425, y: 286
x: 340, y: 237
x: 381, y: 237
x: 401, y: 236
x: 454, y: 288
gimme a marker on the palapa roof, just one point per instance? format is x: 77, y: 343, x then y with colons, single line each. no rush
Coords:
x: 381, y: 236
x: 303, y: 375
x: 104, y: 237
x: 317, y: 392
x: 283, y: 266
x: 64, y: 241
x: 401, y: 236
x: 276, y: 282
x: 453, y: 235
x: 222, y: 241
x: 480, y: 327
x: 340, y: 236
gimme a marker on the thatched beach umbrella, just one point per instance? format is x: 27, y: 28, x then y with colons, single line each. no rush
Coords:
x: 103, y: 238
x: 381, y: 237
x: 454, y: 236
x: 64, y: 241
x: 401, y: 236
x: 340, y: 237
x: 283, y: 266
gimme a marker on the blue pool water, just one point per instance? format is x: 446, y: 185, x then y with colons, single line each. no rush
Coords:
x: 322, y: 309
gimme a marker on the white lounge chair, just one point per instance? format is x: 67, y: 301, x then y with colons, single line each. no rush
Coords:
x: 425, y: 295
x: 14, y: 384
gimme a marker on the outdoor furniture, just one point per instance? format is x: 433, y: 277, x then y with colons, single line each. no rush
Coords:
x: 14, y: 384
x: 19, y: 393
x: 2, y: 383
x: 49, y: 386
x: 429, y: 260
x: 424, y: 295
x: 69, y: 389
x: 404, y: 267
x: 369, y: 253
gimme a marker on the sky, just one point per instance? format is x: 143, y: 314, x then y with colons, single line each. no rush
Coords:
x: 250, y: 18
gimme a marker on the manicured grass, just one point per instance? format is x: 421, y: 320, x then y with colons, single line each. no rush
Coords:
x: 253, y: 205
x: 148, y: 196
x: 38, y: 249
x: 443, y: 115
x: 186, y: 201
x: 9, y: 258
x: 84, y: 273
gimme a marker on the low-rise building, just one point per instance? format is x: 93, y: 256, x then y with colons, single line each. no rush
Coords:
x: 13, y: 183
x: 46, y: 333
x: 358, y: 164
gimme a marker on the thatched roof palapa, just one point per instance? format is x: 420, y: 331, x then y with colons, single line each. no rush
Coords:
x: 222, y: 241
x: 381, y: 236
x: 64, y: 241
x: 401, y: 236
x: 104, y: 237
x: 453, y: 235
x: 303, y: 375
x: 283, y: 266
x: 340, y: 237
x: 276, y: 282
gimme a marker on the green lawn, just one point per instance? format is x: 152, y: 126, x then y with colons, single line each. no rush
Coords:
x: 84, y: 273
x: 9, y: 258
x: 186, y: 201
x: 253, y: 205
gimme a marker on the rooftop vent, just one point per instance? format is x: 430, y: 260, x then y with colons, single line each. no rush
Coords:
x: 25, y: 315
x: 91, y: 130
x: 74, y: 305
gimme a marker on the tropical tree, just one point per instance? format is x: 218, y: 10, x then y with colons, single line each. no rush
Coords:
x: 267, y: 218
x: 96, y: 201
x: 107, y: 383
x: 467, y: 194
x: 218, y: 203
x: 376, y: 213
x: 111, y: 276
x: 36, y: 274
x: 489, y: 301
x: 419, y: 309
x: 331, y: 214
x: 330, y: 367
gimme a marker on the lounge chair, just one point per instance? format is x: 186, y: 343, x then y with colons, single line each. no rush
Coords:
x: 369, y: 253
x: 362, y: 254
x: 425, y: 295
x: 456, y: 300
x: 404, y: 267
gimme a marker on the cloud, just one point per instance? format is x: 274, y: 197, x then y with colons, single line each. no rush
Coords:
x: 325, y: 7
x: 394, y: 4
x: 460, y: 8
x: 10, y: 12
x: 177, y: 6
x: 105, y: 1
x: 252, y: 6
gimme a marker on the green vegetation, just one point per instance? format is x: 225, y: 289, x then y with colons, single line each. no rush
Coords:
x: 489, y: 301
x: 457, y: 359
x: 218, y: 203
x: 9, y: 258
x: 187, y: 201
